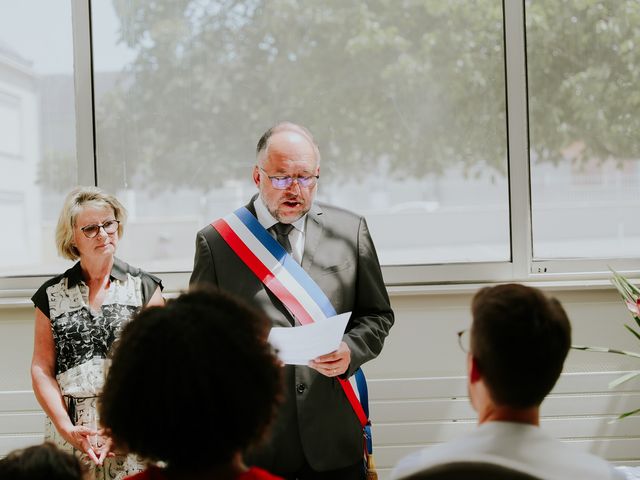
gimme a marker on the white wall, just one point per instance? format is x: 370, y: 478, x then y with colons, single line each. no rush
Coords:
x: 417, y: 384
x: 19, y: 157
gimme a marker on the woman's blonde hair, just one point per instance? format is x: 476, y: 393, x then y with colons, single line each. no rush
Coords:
x: 76, y: 200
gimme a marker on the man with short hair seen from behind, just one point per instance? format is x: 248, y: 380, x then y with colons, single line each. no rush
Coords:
x: 519, y: 339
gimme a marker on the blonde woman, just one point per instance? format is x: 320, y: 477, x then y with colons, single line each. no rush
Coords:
x: 79, y: 315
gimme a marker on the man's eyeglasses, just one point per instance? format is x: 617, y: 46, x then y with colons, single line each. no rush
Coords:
x: 109, y: 227
x: 282, y: 183
x: 464, y: 341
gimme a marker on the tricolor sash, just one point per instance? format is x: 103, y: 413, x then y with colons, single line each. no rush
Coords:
x: 293, y: 286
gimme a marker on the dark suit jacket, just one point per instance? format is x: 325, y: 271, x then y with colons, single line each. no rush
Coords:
x: 316, y: 419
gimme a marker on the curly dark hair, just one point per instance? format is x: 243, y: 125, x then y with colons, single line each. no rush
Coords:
x: 40, y: 462
x: 520, y: 339
x: 193, y: 382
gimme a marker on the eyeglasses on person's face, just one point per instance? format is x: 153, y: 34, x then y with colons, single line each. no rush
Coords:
x: 109, y: 227
x: 284, y: 182
x: 464, y: 340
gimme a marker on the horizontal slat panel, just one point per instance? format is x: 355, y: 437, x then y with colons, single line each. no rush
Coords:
x: 454, y: 387
x: 394, y: 411
x: 415, y: 388
x: 594, y: 382
x: 621, y: 450
x: 18, y: 401
x: 419, y: 433
x: 13, y: 442
x: 610, y: 403
x: 20, y: 423
x: 421, y: 410
x: 413, y: 412
x: 561, y: 428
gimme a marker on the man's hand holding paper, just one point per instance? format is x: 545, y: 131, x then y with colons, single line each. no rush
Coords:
x: 334, y: 363
x: 318, y: 345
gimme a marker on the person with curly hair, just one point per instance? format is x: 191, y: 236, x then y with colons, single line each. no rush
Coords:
x: 192, y: 385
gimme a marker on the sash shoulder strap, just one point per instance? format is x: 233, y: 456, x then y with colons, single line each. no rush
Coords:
x: 289, y: 282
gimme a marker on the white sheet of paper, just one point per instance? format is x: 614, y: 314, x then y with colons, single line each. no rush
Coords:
x: 299, y: 345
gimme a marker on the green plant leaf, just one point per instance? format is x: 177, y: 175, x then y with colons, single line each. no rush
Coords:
x: 623, y: 290
x: 624, y: 378
x: 636, y: 334
x: 630, y: 286
x: 628, y: 414
x: 628, y: 290
x: 630, y: 295
x: 605, y: 350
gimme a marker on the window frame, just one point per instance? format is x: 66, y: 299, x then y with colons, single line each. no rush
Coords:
x: 522, y: 267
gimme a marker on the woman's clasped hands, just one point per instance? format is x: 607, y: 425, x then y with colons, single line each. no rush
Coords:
x: 94, y: 443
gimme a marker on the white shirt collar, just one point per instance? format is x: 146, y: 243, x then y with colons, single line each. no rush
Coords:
x: 267, y: 220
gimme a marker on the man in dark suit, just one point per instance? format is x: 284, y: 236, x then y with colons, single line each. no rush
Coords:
x: 316, y: 435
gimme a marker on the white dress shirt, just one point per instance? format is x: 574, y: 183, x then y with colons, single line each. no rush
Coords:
x: 515, y: 445
x: 296, y: 236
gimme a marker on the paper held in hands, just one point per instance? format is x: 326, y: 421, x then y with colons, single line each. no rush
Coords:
x: 300, y: 345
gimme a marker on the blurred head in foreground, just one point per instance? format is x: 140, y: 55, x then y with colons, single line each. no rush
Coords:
x: 193, y: 383
x: 40, y: 462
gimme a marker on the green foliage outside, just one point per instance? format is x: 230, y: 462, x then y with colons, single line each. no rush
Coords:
x: 584, y: 68
x: 406, y: 87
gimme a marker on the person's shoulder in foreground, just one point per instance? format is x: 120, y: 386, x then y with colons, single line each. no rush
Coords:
x: 521, y: 447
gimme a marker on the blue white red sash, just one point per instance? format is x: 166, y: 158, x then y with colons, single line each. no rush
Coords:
x: 293, y: 286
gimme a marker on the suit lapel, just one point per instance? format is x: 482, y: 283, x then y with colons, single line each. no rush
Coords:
x: 312, y: 236
x: 249, y: 206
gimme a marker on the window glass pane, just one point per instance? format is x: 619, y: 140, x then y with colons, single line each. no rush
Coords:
x: 37, y: 131
x: 583, y: 69
x: 406, y: 100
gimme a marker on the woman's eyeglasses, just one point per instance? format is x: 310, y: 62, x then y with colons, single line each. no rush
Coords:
x: 109, y: 227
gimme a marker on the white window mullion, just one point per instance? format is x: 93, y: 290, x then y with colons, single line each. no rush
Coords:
x: 519, y: 178
x: 81, y: 14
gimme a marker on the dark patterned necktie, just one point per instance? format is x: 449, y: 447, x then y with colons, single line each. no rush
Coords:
x: 282, y: 235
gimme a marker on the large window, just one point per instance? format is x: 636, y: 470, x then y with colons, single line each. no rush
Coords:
x: 583, y: 70
x: 37, y: 131
x: 484, y: 141
x: 407, y: 105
